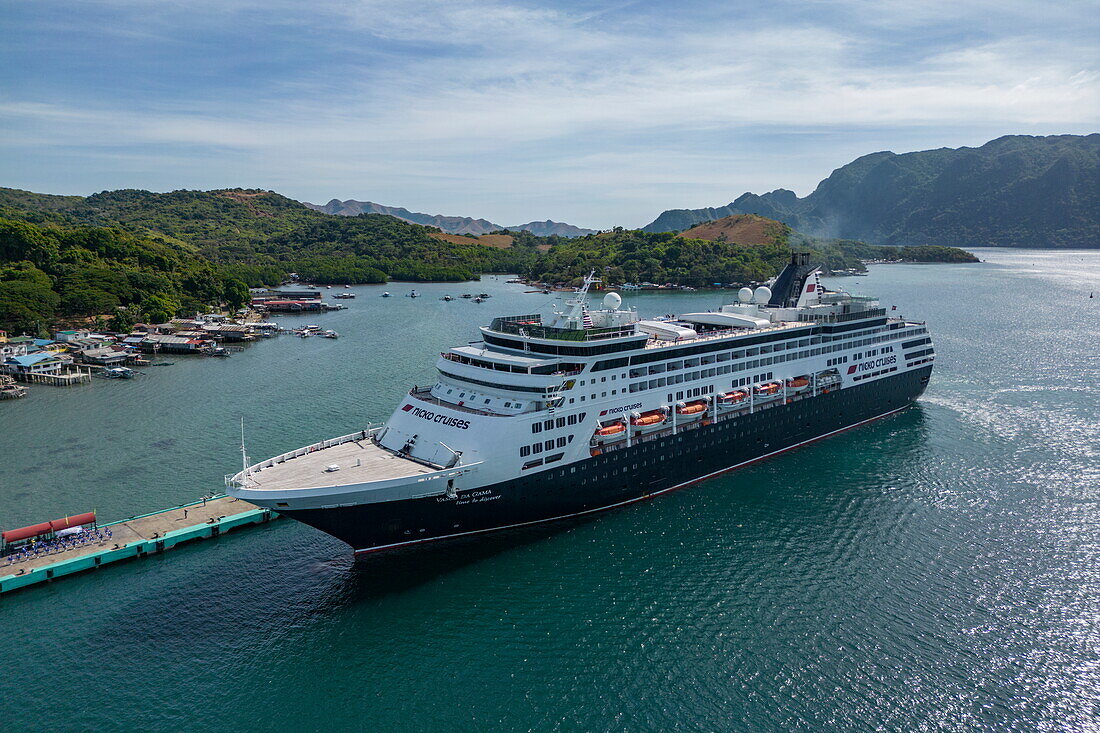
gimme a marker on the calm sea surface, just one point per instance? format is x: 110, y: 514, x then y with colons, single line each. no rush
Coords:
x: 936, y: 570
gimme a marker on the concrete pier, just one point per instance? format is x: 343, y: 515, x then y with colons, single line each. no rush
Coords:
x: 137, y: 537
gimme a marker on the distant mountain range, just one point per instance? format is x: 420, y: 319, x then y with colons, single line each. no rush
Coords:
x: 1015, y: 191
x: 448, y: 224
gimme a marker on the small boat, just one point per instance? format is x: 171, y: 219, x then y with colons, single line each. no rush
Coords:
x: 413, y: 294
x: 483, y: 295
x: 612, y: 431
x: 347, y: 286
x: 648, y: 420
x: 386, y: 294
x: 692, y: 410
x: 343, y: 296
x: 219, y: 351
x: 479, y: 299
x: 330, y: 334
x: 119, y: 373
x: 767, y: 390
x: 447, y: 298
x: 467, y: 295
x: 732, y: 398
x: 546, y: 292
x: 798, y: 383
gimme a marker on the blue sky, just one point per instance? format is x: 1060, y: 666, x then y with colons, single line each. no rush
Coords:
x: 596, y: 113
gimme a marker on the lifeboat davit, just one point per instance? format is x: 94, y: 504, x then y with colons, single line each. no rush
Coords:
x: 692, y: 410
x: 648, y: 420
x: 798, y: 383
x: 732, y: 398
x: 610, y: 432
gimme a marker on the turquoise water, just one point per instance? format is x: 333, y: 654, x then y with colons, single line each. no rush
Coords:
x: 936, y: 570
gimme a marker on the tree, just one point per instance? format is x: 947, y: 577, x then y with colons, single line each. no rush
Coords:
x: 159, y: 308
x: 235, y: 293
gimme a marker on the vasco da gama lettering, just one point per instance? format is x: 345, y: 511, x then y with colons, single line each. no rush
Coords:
x: 597, y: 408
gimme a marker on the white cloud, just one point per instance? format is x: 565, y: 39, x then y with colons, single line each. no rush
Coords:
x: 600, y: 98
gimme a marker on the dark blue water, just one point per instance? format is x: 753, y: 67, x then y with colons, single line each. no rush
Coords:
x: 936, y: 570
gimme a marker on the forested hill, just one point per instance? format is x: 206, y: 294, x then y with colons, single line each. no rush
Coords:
x: 259, y: 228
x: 134, y: 255
x: 736, y: 250
x: 1015, y: 191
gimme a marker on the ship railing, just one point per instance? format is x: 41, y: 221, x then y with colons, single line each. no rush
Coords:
x: 239, y: 478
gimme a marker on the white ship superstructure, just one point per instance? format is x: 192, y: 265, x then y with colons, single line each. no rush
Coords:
x: 595, y: 407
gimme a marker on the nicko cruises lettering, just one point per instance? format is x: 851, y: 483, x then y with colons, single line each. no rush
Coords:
x: 440, y: 418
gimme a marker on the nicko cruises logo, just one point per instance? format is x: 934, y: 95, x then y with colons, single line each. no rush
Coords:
x: 440, y: 418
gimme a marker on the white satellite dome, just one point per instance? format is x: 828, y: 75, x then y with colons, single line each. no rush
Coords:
x: 763, y: 294
x: 744, y: 295
x: 611, y: 301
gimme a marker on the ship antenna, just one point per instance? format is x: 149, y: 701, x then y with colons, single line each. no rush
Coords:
x: 580, y: 302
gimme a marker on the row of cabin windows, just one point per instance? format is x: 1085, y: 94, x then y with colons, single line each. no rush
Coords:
x: 706, y: 390
x: 873, y: 352
x: 845, y: 342
x: 474, y: 395
x: 660, y: 447
x: 547, y: 445
x: 874, y: 374
x: 693, y: 445
x: 560, y: 422
x: 703, y: 374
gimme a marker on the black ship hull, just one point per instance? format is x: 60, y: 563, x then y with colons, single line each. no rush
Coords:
x: 617, y: 477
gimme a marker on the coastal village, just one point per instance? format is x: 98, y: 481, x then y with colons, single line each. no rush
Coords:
x: 75, y: 356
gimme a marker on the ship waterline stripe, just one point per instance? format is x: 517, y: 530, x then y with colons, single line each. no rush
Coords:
x: 681, y: 485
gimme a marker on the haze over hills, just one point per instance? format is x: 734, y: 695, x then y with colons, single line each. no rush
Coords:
x: 1015, y: 191
x: 448, y: 224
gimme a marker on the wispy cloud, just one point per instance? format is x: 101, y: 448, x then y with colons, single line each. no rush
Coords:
x: 606, y: 112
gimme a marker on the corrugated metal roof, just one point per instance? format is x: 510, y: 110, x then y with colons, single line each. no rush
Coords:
x: 32, y: 359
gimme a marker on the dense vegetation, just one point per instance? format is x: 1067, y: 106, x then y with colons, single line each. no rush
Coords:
x: 663, y: 257
x: 127, y: 256
x: 1015, y: 191
x: 266, y: 229
x: 154, y: 254
x: 51, y: 270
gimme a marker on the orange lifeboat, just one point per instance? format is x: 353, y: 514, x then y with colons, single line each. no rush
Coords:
x: 798, y: 383
x: 611, y: 431
x: 648, y: 419
x: 768, y: 389
x: 732, y: 398
x: 692, y: 409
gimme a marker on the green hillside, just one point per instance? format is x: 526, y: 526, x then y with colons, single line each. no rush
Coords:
x: 51, y: 271
x: 664, y: 257
x: 249, y: 228
x: 159, y: 254
x: 129, y: 256
x: 1015, y: 191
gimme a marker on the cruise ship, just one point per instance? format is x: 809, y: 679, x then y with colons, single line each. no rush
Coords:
x: 595, y: 407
